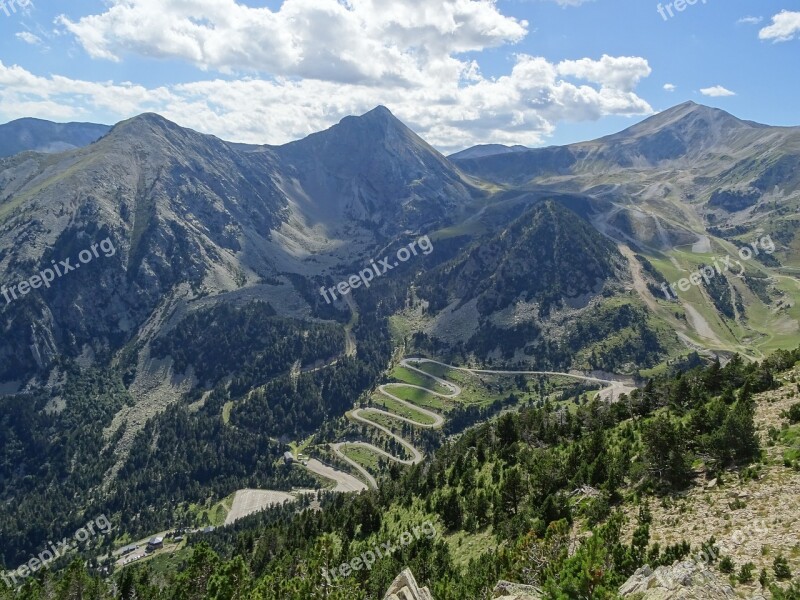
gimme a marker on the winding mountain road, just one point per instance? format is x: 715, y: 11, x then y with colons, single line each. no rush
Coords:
x: 613, y: 389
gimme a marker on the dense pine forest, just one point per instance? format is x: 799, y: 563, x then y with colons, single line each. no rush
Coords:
x: 510, y: 482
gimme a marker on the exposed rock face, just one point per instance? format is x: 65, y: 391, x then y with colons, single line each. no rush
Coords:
x: 506, y: 590
x: 405, y: 588
x: 682, y: 581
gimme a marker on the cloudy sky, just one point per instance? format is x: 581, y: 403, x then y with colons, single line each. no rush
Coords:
x: 459, y: 72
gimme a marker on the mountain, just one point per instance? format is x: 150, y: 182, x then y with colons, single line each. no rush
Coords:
x: 176, y: 206
x: 569, y: 257
x: 715, y: 153
x: 190, y: 215
x: 194, y: 217
x: 45, y: 136
x: 486, y: 150
x: 375, y: 171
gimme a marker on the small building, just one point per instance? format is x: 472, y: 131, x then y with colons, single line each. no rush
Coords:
x: 128, y: 549
x: 155, y: 543
x: 209, y: 529
x: 288, y: 458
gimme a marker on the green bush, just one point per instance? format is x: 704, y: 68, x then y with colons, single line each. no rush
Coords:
x: 781, y: 568
x: 726, y: 565
x: 746, y: 573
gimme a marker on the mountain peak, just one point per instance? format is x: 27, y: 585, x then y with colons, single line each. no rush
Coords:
x: 145, y: 120
x: 380, y: 111
x: 378, y: 117
x: 379, y: 126
x: 694, y: 110
x: 152, y: 127
x: 683, y: 127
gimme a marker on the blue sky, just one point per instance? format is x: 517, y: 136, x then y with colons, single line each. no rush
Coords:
x: 459, y: 72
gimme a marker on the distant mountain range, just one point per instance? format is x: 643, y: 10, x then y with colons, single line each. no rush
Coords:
x: 45, y: 136
x: 687, y: 166
x: 486, y: 150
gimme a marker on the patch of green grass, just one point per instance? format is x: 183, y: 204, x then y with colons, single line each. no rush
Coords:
x: 763, y: 329
x: 169, y: 563
x: 365, y: 457
x: 214, y: 515
x: 388, y: 422
x: 400, y: 328
x: 399, y: 519
x: 395, y: 407
x: 298, y: 448
x: 226, y: 412
x: 412, y: 377
x: 418, y: 397
x: 790, y: 437
x: 465, y: 547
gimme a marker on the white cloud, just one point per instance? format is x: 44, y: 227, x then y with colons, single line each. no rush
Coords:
x: 785, y: 26
x: 28, y: 38
x: 521, y: 107
x: 750, y: 20
x: 670, y: 87
x: 717, y: 91
x: 307, y: 64
x: 358, y: 41
x: 621, y: 73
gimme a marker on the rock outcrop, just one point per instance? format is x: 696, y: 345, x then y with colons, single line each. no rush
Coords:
x: 687, y: 580
x: 405, y: 587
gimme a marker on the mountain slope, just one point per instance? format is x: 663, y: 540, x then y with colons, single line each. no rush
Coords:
x: 45, y: 136
x: 486, y: 150
x: 547, y: 255
x: 582, y: 500
x: 178, y: 208
x: 190, y: 215
x: 375, y: 171
x: 693, y: 148
x: 683, y: 188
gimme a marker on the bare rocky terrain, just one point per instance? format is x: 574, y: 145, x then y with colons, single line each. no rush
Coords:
x: 752, y: 519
